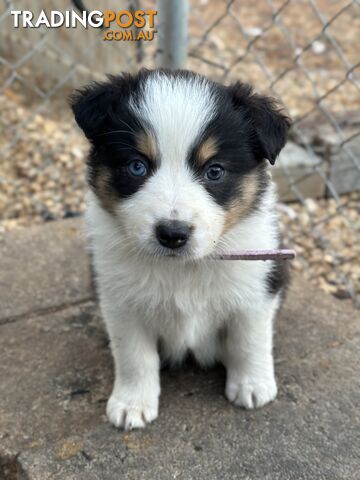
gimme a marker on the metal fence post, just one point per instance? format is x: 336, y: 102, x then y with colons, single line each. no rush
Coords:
x: 173, y: 33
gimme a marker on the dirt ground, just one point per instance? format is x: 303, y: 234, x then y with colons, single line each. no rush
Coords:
x: 291, y: 49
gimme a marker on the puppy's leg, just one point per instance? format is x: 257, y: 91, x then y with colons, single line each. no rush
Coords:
x: 248, y: 357
x: 135, y: 397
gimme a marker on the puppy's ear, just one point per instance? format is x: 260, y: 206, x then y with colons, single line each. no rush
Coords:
x: 92, y: 108
x: 270, y: 123
x: 97, y: 106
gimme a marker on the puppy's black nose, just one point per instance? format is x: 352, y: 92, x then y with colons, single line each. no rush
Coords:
x: 173, y: 234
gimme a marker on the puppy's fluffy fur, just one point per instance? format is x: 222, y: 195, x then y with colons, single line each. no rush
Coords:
x: 177, y: 152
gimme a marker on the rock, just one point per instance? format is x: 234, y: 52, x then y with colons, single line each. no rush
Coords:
x: 302, y: 169
x: 310, y: 205
x: 340, y: 148
x: 345, y: 167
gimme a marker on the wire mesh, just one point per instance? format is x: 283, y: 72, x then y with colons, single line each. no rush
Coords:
x: 303, y: 52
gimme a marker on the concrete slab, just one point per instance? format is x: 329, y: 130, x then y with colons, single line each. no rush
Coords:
x: 55, y: 376
x: 43, y: 267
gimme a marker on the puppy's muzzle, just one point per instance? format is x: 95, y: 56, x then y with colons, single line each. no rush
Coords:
x: 173, y: 233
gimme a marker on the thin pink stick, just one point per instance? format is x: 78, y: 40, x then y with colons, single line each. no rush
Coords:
x: 257, y: 255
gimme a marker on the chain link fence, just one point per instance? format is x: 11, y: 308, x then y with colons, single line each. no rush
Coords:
x: 304, y: 52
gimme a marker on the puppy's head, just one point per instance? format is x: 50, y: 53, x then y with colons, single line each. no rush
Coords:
x: 176, y: 158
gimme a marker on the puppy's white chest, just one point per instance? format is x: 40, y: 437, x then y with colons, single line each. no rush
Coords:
x: 195, y: 332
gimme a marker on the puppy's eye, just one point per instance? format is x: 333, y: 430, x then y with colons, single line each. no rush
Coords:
x: 214, y: 172
x: 137, y: 168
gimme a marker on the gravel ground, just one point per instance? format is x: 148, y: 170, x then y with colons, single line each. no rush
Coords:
x: 42, y: 178
x: 326, y: 238
x: 42, y: 174
x: 298, y: 30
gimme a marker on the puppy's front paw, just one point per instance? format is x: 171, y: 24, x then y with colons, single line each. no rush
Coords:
x: 130, y: 414
x: 251, y: 392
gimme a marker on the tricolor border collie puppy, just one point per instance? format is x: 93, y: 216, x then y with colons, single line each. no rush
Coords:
x: 178, y: 171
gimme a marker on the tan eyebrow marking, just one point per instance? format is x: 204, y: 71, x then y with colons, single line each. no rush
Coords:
x: 207, y: 149
x: 146, y: 145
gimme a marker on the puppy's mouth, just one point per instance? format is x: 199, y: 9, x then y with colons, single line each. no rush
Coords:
x: 182, y: 253
x: 155, y: 251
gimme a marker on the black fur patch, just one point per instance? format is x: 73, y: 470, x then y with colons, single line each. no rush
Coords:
x: 278, y: 277
x: 232, y: 133
x: 101, y: 110
x: 248, y: 129
x: 270, y: 124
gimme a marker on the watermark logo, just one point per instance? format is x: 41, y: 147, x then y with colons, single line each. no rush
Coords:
x: 138, y: 25
x: 122, y: 25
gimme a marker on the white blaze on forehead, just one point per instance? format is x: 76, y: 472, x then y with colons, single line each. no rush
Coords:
x: 177, y: 109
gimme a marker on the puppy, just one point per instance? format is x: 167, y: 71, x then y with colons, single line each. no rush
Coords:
x: 178, y: 173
